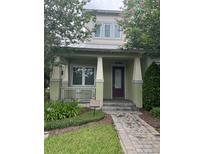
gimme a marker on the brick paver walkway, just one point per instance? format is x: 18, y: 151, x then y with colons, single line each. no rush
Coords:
x: 136, y: 136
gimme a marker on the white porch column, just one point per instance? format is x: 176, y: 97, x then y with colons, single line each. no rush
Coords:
x: 99, y: 81
x: 65, y: 78
x: 55, y: 82
x: 137, y: 83
x: 137, y: 74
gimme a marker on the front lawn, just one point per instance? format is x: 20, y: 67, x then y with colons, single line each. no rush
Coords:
x: 94, y: 139
x: 75, y: 121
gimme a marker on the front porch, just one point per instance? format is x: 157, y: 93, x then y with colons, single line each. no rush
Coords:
x: 99, y: 76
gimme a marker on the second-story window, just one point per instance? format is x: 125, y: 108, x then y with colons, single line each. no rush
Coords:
x: 107, y: 30
x: 98, y: 30
x: 117, y: 31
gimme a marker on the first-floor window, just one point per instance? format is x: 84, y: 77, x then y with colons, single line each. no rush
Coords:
x: 89, y: 76
x: 77, y: 75
x: 83, y: 75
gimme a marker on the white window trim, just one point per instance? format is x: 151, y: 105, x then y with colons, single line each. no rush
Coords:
x: 112, y: 31
x: 83, y: 75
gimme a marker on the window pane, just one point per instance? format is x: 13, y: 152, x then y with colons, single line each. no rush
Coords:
x: 77, y: 75
x: 89, y: 76
x: 97, y: 33
x: 117, y: 31
x: 107, y: 30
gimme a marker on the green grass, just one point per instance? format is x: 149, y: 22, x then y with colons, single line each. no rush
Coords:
x: 95, y: 139
x: 74, y: 121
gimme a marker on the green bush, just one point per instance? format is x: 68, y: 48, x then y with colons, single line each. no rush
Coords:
x: 74, y: 121
x: 151, y: 87
x: 155, y: 112
x: 59, y: 110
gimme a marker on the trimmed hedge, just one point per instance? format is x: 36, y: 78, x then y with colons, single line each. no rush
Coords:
x: 155, y: 112
x: 75, y: 121
x: 151, y: 87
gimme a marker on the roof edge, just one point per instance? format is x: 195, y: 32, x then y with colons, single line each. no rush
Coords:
x: 104, y: 11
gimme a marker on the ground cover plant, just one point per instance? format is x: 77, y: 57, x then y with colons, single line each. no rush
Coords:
x: 58, y: 110
x: 94, y: 139
x: 75, y: 121
x: 155, y: 112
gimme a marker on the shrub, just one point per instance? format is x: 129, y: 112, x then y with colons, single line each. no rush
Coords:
x: 59, y: 110
x: 151, y: 87
x: 74, y: 121
x: 155, y: 112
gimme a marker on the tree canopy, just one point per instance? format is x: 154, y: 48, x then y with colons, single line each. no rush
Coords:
x: 141, y: 23
x: 64, y: 23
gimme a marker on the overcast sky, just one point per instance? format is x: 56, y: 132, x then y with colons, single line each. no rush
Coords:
x: 105, y: 4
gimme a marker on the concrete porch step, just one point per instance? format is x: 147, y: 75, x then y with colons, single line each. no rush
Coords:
x: 118, y: 104
x: 117, y: 101
x: 117, y: 108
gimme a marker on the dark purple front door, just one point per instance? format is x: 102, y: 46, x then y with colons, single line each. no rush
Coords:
x: 118, y: 81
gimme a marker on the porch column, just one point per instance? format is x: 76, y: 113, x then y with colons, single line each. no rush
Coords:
x: 137, y: 83
x: 55, y: 81
x: 65, y: 78
x: 99, y: 81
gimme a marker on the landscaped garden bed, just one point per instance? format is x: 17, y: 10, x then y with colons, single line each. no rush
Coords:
x: 83, y: 132
x: 106, y: 120
x: 75, y: 121
x: 151, y: 96
x: 150, y: 119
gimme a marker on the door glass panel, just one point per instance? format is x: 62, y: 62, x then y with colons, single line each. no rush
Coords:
x: 118, y: 78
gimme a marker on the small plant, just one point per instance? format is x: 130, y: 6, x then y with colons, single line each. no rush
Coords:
x: 155, y: 112
x: 60, y: 110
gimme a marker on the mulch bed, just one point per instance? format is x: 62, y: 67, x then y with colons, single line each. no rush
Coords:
x: 147, y: 117
x: 85, y: 109
x: 106, y: 120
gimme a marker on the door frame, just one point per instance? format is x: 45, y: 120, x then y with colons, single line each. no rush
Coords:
x: 118, y: 65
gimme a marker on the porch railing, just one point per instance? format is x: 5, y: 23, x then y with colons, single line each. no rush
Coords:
x: 81, y: 93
